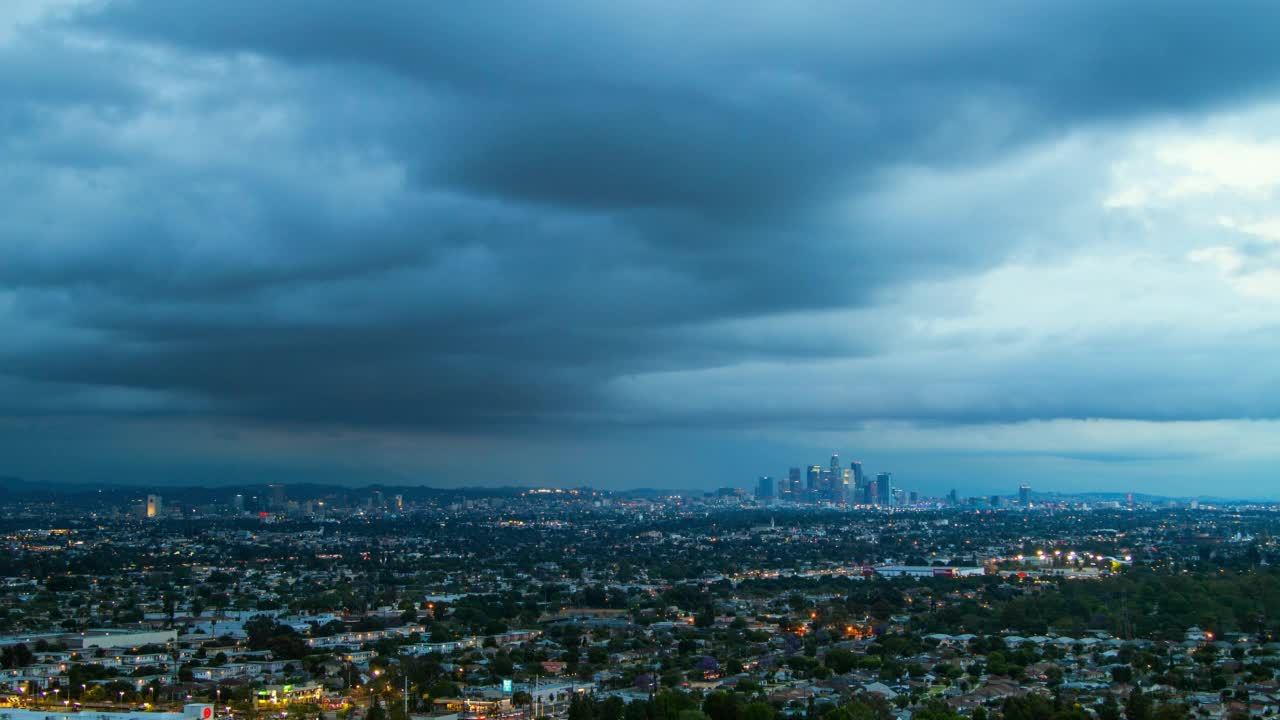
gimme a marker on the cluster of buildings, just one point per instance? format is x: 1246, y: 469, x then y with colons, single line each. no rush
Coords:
x: 834, y: 485
x: 514, y: 605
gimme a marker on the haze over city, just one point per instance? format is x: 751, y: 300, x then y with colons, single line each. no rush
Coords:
x: 675, y: 245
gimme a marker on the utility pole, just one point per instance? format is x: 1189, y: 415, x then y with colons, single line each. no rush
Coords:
x: 406, y: 697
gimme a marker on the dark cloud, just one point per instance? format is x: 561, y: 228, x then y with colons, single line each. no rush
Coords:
x: 635, y: 105
x: 438, y: 216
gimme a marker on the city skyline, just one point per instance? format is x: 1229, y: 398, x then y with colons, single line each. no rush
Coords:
x: 432, y: 243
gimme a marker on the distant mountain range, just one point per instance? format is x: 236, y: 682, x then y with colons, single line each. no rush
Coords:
x: 18, y: 488
x: 25, y: 490
x: 1148, y: 498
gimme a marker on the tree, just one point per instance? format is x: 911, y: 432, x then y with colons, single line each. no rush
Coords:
x: 670, y: 703
x: 1168, y: 711
x: 936, y: 709
x: 1028, y: 707
x: 721, y: 705
x: 1108, y: 709
x: 582, y: 707
x: 637, y: 710
x: 758, y: 711
x: 1137, y: 706
x: 840, y: 661
x: 706, y: 617
x: 869, y: 707
x: 612, y: 708
x: 260, y: 629
x: 16, y: 656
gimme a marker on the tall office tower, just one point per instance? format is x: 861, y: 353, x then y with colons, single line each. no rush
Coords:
x: 399, y: 501
x: 953, y: 497
x: 154, y: 506
x: 884, y: 484
x: 377, y: 500
x: 1024, y: 495
x: 277, y: 496
x: 832, y: 478
x: 845, y: 487
x: 794, y: 483
x: 856, y: 467
x: 764, y: 488
x: 869, y: 495
x: 237, y: 503
x: 995, y: 501
x: 813, y: 479
x: 914, y: 497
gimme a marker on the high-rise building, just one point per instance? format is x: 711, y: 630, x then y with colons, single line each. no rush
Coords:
x: 995, y: 501
x: 953, y: 497
x: 870, y: 496
x: 237, y: 502
x: 277, y: 496
x: 764, y: 487
x: 399, y: 501
x: 794, y: 486
x: 155, y: 506
x: 884, y: 486
x: 1024, y: 495
x: 914, y: 497
x: 814, y: 479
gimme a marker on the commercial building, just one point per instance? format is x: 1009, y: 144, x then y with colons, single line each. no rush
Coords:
x: 814, y: 479
x: 794, y: 482
x: 884, y: 488
x: 921, y: 571
x: 114, y: 638
x: 194, y: 711
x: 764, y: 488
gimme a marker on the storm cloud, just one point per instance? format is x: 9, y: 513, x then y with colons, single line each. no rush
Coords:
x: 548, y: 223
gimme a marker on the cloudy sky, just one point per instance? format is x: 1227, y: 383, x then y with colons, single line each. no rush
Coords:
x: 642, y: 244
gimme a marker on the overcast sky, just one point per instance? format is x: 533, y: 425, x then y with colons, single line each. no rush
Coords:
x: 642, y: 244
